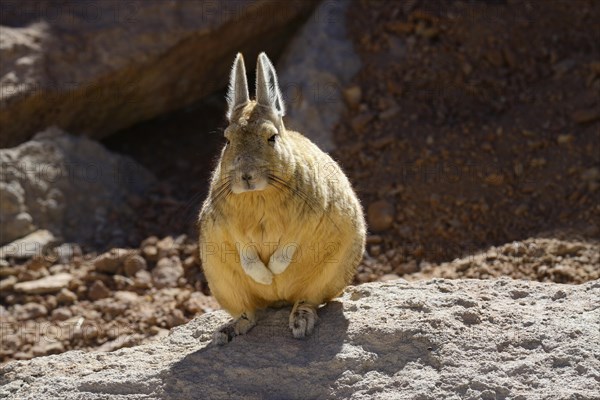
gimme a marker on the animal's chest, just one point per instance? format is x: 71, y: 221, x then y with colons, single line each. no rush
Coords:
x: 262, y: 229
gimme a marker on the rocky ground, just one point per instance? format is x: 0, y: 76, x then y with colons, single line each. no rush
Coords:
x: 472, y: 136
x: 437, y: 339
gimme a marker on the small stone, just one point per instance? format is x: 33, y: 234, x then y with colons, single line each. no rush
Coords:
x: 390, y: 112
x: 29, y: 311
x: 65, y: 296
x: 199, y: 303
x: 61, y: 314
x: 142, y: 280
x: 407, y: 268
x: 374, y: 239
x: 48, y: 284
x: 133, y: 264
x: 380, y: 215
x: 111, y: 261
x: 23, y: 355
x: 494, y: 179
x: 167, y: 272
x: 150, y: 241
x: 360, y: 121
x: 586, y: 116
x: 564, y: 139
x: 98, y: 291
x: 44, y: 348
x: 29, y: 246
x: 591, y: 175
x: 150, y: 253
x: 175, y: 318
x: 375, y: 250
x: 389, y: 277
x: 166, y: 247
x: 8, y: 283
x: 352, y: 95
x: 190, y: 262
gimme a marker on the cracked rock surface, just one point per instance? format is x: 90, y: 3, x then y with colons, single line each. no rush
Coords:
x: 437, y: 339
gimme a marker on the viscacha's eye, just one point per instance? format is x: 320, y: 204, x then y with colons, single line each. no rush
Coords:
x: 272, y: 138
x: 227, y: 141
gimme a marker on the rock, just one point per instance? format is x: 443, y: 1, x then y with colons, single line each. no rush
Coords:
x: 111, y: 261
x: 133, y: 264
x: 352, y: 95
x: 585, y: 116
x: 150, y: 253
x: 199, y: 303
x: 8, y: 283
x: 359, y: 122
x: 31, y: 245
x: 142, y: 280
x: 565, y: 139
x: 48, y: 284
x: 98, y: 68
x: 27, y: 311
x: 167, y: 271
x: 388, y: 277
x: 407, y: 268
x: 316, y: 65
x: 71, y: 186
x: 61, y: 314
x: 428, y: 339
x: 380, y: 215
x: 65, y: 296
x: 44, y: 348
x: 98, y: 291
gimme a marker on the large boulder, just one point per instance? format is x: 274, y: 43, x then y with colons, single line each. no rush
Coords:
x: 97, y: 67
x: 436, y: 339
x: 315, y: 69
x: 71, y: 186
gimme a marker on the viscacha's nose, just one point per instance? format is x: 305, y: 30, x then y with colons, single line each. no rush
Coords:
x: 247, y: 177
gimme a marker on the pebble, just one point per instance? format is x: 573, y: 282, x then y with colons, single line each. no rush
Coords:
x: 65, y: 296
x: 61, y: 314
x: 111, y: 261
x: 353, y: 95
x: 133, y: 264
x: 380, y: 215
x: 167, y: 272
x: 98, y: 291
x: 142, y: 280
x: 564, y: 139
x: 586, y: 116
x: 8, y: 283
x: 150, y: 253
x: 407, y: 268
x: 360, y: 121
x: 29, y: 311
x: 374, y: 239
x: 389, y: 277
x: 44, y: 348
x: 28, y: 246
x: 48, y: 284
x: 200, y: 303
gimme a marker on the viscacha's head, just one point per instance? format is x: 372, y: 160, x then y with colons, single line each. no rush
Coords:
x: 257, y: 152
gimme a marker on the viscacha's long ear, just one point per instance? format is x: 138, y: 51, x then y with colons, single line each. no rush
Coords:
x: 268, y: 93
x: 237, y: 95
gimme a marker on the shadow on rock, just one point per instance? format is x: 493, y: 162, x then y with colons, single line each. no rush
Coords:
x: 267, y: 362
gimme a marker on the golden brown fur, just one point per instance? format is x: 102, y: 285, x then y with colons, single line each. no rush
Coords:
x: 308, y: 206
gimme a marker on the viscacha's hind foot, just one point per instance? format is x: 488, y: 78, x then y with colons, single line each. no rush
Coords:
x: 303, y: 319
x: 239, y: 326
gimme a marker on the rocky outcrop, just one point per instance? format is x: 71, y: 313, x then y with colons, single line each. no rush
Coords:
x: 97, y: 67
x: 314, y: 71
x: 436, y: 339
x: 70, y: 186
